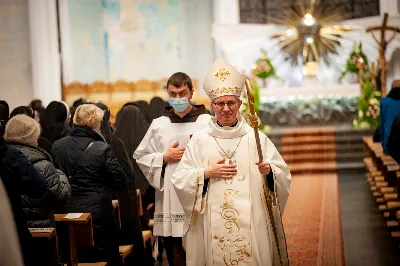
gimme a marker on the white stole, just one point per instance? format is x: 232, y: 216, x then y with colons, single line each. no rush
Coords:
x: 230, y: 201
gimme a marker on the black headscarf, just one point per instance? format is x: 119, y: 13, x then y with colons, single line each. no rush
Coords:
x: 394, y: 93
x: 131, y: 231
x: 37, y: 105
x: 4, y: 116
x: 55, y: 122
x: 144, y: 108
x: 4, y: 111
x: 131, y: 128
x: 105, y: 126
x: 156, y: 108
x: 23, y: 110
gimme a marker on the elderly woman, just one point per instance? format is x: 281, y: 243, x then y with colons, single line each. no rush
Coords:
x: 93, y: 170
x: 22, y: 132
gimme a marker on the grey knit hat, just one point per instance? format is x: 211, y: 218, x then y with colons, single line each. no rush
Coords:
x: 22, y: 129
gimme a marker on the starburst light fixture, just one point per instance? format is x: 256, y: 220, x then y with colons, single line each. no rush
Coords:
x: 311, y: 32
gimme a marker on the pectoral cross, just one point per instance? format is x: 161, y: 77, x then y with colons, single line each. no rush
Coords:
x: 383, y: 43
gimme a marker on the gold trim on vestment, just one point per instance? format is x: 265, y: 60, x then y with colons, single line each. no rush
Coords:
x: 232, y: 240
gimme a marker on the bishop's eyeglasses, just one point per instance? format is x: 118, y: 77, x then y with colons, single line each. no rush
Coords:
x: 220, y: 105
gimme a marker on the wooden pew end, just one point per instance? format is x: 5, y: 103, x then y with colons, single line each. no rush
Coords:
x: 125, y: 251
x: 147, y: 235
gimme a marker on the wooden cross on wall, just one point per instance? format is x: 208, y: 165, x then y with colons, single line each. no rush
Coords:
x: 383, y: 43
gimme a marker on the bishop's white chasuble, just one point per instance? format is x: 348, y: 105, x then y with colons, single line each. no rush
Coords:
x: 227, y: 221
x: 169, y: 215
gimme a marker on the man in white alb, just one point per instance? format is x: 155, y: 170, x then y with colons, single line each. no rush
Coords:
x: 224, y: 188
x: 158, y: 156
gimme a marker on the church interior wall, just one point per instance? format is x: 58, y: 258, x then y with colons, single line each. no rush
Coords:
x: 394, y: 67
x: 15, y: 60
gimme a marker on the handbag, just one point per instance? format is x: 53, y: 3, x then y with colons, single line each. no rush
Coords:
x: 70, y: 177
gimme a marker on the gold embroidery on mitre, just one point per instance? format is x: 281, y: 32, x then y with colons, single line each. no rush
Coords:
x: 223, y: 91
x: 222, y: 74
x: 237, y: 248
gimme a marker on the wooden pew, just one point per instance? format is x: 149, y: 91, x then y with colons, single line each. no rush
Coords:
x: 139, y: 200
x: 45, y: 246
x: 80, y: 235
x: 125, y: 250
x: 117, y: 212
x: 384, y: 179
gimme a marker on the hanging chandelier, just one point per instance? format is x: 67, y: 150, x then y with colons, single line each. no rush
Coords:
x: 311, y: 32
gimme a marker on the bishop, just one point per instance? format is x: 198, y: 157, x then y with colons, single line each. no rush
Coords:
x: 225, y: 190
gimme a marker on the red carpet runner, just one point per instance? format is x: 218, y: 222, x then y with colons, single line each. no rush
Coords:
x: 312, y: 216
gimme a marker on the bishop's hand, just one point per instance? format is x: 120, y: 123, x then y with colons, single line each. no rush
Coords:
x: 264, y: 168
x: 173, y: 154
x: 220, y: 170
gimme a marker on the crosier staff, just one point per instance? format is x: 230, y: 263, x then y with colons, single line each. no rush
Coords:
x: 254, y: 124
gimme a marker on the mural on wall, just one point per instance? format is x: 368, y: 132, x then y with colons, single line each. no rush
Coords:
x: 135, y: 39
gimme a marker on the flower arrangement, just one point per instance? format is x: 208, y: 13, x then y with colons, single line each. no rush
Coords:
x: 368, y: 107
x: 353, y: 59
x: 263, y: 68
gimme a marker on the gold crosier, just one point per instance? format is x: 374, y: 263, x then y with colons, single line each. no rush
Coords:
x: 254, y: 124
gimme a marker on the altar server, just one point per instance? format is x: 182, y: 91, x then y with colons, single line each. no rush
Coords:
x: 223, y: 188
x: 158, y: 156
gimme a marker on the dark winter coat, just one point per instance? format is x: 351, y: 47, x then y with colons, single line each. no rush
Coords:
x: 39, y: 212
x: 131, y: 231
x: 389, y: 109
x: 394, y: 140
x: 20, y: 177
x: 97, y: 173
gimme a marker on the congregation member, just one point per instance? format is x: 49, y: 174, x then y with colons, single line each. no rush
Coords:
x: 93, y: 170
x: 75, y: 105
x: 23, y: 110
x: 144, y: 108
x: 10, y: 252
x: 39, y: 109
x: 224, y: 188
x: 156, y: 108
x: 389, y: 109
x: 4, y: 116
x: 20, y: 177
x: 159, y: 154
x: 131, y: 231
x: 394, y: 140
x: 55, y: 124
x: 131, y: 128
x: 43, y: 143
x: 22, y: 132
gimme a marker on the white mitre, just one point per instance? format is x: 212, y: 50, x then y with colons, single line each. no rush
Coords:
x: 223, y: 79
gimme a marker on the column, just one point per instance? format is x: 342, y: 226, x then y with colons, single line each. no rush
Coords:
x: 226, y: 11
x: 392, y: 7
x: 44, y: 50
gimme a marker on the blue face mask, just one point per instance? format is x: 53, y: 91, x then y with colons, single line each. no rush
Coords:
x: 179, y: 104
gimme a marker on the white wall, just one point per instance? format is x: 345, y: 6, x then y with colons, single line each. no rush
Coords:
x: 15, y: 60
x: 394, y: 69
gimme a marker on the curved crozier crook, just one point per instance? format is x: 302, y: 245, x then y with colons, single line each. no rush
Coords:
x: 250, y: 97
